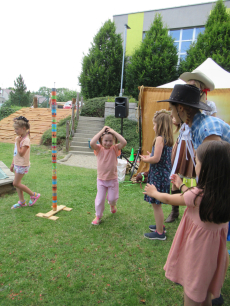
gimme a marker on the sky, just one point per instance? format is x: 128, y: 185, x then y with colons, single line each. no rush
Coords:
x: 45, y: 40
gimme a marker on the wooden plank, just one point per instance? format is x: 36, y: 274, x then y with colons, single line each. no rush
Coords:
x: 67, y: 209
x: 53, y: 212
x: 54, y: 218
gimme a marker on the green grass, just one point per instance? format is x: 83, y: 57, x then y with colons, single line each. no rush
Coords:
x: 71, y: 262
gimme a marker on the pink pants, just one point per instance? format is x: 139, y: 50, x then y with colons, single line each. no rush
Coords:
x: 112, y: 189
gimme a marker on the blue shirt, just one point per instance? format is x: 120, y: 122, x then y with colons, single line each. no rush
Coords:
x: 204, y: 126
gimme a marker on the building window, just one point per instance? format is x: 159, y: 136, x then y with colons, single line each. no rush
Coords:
x: 184, y: 38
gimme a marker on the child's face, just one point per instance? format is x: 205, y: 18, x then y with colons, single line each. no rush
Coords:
x: 154, y: 126
x: 174, y: 113
x: 198, y: 166
x: 107, y: 141
x: 19, y: 130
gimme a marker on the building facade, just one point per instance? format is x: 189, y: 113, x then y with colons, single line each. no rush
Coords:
x: 184, y: 24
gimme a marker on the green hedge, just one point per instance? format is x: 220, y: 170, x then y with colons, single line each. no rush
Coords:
x: 94, y: 107
x: 7, y: 110
x: 130, y: 132
x: 61, y: 133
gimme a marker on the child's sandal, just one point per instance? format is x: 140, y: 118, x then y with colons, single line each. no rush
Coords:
x: 96, y: 221
x: 19, y: 205
x: 113, y: 209
x: 34, y: 198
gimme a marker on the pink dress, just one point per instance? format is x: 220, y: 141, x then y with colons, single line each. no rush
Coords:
x: 197, y: 256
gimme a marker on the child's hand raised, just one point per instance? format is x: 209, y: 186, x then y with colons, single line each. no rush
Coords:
x: 145, y: 158
x: 150, y: 190
x: 176, y: 180
x: 110, y: 130
x: 18, y: 139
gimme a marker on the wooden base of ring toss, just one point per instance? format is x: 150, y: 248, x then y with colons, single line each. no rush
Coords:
x: 56, y: 209
x: 50, y: 214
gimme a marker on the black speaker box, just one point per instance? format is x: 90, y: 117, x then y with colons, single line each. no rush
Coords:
x: 121, y: 107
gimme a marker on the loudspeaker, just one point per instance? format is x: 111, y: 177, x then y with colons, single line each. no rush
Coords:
x: 121, y: 107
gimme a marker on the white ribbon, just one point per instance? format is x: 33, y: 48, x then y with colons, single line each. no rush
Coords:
x: 186, y: 136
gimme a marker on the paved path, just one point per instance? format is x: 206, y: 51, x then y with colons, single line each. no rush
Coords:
x: 83, y: 161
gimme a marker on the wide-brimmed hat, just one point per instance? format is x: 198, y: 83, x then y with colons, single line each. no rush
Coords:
x: 199, y: 76
x: 187, y: 95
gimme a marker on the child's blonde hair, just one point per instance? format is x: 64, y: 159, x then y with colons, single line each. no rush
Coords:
x: 22, y: 122
x: 201, y: 86
x: 164, y: 128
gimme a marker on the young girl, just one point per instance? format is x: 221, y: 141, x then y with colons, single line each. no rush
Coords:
x: 107, y: 152
x: 197, y: 257
x: 21, y: 161
x: 160, y: 168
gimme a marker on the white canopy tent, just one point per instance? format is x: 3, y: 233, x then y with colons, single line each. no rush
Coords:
x: 218, y: 75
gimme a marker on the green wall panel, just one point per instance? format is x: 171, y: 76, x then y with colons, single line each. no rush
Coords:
x: 134, y: 35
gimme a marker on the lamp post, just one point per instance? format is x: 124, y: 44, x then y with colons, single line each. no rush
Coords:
x: 124, y: 47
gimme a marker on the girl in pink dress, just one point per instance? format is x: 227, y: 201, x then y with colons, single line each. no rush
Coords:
x: 107, y: 181
x: 197, y: 257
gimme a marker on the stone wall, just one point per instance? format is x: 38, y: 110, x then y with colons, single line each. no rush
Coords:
x: 110, y: 110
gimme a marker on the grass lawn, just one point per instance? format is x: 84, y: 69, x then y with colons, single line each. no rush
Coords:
x: 71, y: 262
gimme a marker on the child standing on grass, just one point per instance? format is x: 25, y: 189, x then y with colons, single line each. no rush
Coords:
x: 197, y: 258
x: 107, y: 181
x: 160, y: 168
x: 21, y: 161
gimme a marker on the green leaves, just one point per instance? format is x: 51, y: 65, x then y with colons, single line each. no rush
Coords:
x: 101, y: 68
x: 213, y: 43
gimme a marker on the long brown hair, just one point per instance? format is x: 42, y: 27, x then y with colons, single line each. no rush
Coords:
x: 214, y: 181
x: 164, y: 128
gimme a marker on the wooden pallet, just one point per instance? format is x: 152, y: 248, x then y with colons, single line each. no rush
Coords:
x: 51, y: 213
x: 40, y: 121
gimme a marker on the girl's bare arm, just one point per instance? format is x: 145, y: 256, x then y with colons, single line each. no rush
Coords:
x: 174, y: 199
x: 159, y: 145
x: 122, y: 142
x: 21, y: 150
x: 94, y: 140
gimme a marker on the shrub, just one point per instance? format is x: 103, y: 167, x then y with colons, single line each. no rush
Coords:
x: 94, y: 107
x: 61, y: 133
x: 130, y: 132
x: 6, y: 110
x: 131, y: 99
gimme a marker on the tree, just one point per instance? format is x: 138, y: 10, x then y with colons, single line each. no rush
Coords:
x: 20, y: 96
x: 44, y: 91
x: 154, y: 62
x: 64, y: 94
x: 214, y: 42
x: 101, y: 68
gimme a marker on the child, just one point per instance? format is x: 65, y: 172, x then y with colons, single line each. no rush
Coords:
x: 197, y: 257
x: 160, y: 168
x: 21, y: 161
x: 107, y: 152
